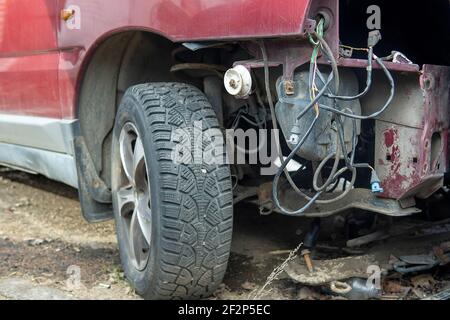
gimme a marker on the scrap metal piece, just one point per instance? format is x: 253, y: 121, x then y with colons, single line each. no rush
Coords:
x: 375, y: 236
x: 362, y: 289
x: 443, y: 295
x: 439, y: 256
x: 404, y: 229
x: 410, y: 250
x: 416, y: 263
x: 340, y: 288
x: 326, y: 271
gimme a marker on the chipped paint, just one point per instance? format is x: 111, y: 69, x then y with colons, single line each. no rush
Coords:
x: 404, y: 139
x: 389, y: 137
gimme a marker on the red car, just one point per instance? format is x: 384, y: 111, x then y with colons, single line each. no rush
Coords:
x: 97, y: 94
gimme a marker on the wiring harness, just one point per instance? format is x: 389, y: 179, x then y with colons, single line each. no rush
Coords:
x: 330, y: 89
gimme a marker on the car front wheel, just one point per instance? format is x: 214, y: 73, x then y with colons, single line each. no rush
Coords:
x: 173, y: 218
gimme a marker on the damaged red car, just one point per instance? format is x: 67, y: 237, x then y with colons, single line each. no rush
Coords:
x: 165, y: 114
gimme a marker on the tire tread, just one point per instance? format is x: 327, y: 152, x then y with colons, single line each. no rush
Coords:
x: 197, y: 209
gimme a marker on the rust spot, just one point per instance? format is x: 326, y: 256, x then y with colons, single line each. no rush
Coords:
x: 389, y: 137
x: 395, y: 154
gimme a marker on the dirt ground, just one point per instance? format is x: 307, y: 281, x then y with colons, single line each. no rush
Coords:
x: 43, y: 237
x: 45, y: 244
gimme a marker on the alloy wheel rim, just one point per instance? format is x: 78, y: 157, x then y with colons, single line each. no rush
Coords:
x: 133, y: 196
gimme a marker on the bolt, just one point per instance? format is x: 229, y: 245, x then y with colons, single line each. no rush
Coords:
x: 294, y: 139
x: 67, y: 14
x: 289, y: 87
x: 233, y: 84
x: 307, y: 256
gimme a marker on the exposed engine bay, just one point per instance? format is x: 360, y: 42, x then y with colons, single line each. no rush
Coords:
x: 357, y: 130
x: 358, y: 135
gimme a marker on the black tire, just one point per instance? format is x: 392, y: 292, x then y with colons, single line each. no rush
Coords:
x: 191, y: 204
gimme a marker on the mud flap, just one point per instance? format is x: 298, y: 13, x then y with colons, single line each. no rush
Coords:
x: 95, y: 196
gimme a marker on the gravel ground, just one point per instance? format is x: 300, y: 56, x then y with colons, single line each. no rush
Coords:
x: 45, y: 244
x: 43, y: 236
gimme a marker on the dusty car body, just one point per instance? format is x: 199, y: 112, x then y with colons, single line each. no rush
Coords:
x: 65, y: 67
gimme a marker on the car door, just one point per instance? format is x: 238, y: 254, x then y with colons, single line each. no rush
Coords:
x: 29, y: 58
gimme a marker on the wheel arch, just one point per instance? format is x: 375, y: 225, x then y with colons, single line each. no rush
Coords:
x: 115, y: 62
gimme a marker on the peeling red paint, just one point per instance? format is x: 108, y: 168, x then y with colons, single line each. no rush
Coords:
x: 392, y: 184
x: 408, y: 172
x: 395, y: 155
x: 389, y: 137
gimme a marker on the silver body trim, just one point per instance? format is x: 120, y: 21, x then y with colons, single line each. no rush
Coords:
x: 39, y: 145
x: 56, y: 166
x: 36, y: 132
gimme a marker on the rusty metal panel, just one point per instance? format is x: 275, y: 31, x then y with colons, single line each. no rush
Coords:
x: 411, y: 154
